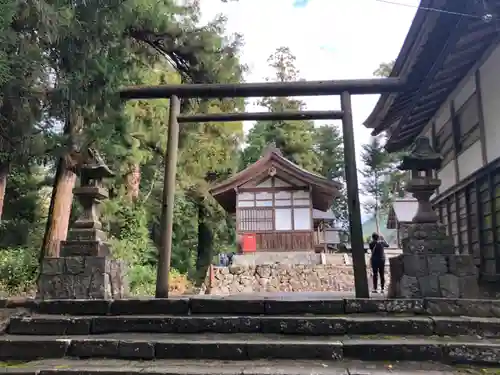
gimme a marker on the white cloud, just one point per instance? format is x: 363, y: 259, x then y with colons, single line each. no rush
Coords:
x: 332, y: 39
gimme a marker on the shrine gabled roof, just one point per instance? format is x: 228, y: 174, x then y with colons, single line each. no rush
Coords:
x: 440, y: 49
x: 323, y: 190
x: 402, y: 211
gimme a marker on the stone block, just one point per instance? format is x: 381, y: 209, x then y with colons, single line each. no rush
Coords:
x: 428, y: 246
x: 25, y: 325
x: 168, y: 306
x: 414, y: 265
x: 74, y: 265
x: 483, y: 353
x: 202, y: 350
x: 449, y: 286
x: 226, y: 306
x: 429, y: 286
x: 396, y: 267
x: 466, y: 326
x: 461, y: 265
x: 81, y: 277
x: 437, y: 264
x: 426, y: 231
x: 316, y: 307
x: 392, y: 350
x: 328, y: 350
x: 84, y: 248
x: 77, y: 235
x: 314, y: 326
x: 469, y: 287
x: 389, y: 326
x: 409, y: 287
x: 29, y: 349
x: 52, y: 266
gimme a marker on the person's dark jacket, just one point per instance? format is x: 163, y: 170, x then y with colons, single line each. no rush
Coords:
x: 377, y: 249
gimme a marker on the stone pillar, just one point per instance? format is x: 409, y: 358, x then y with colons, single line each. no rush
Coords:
x: 429, y: 266
x: 85, y: 269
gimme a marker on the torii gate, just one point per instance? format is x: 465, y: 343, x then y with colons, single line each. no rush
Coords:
x: 344, y: 88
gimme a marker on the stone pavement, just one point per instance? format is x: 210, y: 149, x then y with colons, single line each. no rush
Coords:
x: 264, y: 367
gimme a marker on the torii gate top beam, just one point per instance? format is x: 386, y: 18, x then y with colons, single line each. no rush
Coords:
x: 263, y: 89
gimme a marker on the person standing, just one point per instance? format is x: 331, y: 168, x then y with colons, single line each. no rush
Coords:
x: 377, y: 246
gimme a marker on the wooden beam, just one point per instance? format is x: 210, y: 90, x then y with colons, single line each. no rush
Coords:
x: 262, y: 116
x: 482, y: 128
x: 167, y: 209
x: 353, y: 203
x: 248, y: 90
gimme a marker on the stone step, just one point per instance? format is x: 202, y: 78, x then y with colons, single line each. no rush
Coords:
x: 251, y: 347
x: 213, y: 367
x: 359, y: 324
x: 314, y: 304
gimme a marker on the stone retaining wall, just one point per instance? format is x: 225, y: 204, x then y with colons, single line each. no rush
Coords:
x: 283, y: 278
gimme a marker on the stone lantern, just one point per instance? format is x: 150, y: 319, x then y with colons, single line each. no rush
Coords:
x: 422, y: 162
x: 85, y: 269
x: 428, y: 266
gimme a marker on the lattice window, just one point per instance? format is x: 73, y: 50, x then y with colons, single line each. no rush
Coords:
x: 256, y: 219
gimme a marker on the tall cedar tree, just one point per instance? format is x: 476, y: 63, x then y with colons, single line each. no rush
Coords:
x: 295, y: 139
x: 329, y: 146
x: 377, y: 166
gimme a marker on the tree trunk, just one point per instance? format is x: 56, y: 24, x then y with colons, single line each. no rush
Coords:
x: 204, y: 250
x: 377, y: 224
x: 61, y: 201
x: 59, y: 210
x: 133, y: 182
x: 4, y: 173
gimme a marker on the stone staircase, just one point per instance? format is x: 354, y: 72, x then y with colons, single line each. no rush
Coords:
x: 186, y: 335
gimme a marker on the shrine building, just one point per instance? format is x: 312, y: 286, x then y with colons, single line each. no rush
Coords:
x: 279, y: 206
x: 451, y: 65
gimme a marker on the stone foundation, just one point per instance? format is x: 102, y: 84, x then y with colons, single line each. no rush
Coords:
x: 283, y: 278
x: 429, y: 267
x: 82, y: 277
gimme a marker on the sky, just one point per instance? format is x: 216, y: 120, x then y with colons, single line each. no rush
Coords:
x: 331, y: 39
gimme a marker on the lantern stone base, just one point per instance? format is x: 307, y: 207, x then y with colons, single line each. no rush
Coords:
x: 428, y: 266
x: 82, y: 277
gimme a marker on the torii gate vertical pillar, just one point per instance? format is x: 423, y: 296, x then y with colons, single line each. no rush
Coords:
x: 353, y: 204
x: 167, y: 208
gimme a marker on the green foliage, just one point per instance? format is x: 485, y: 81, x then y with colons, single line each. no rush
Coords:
x: 380, y: 176
x: 18, y: 269
x: 384, y: 69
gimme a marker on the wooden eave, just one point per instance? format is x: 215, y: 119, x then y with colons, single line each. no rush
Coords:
x: 323, y: 190
x: 439, y: 51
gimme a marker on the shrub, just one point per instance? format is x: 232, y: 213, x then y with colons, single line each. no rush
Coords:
x: 18, y: 270
x: 142, y: 279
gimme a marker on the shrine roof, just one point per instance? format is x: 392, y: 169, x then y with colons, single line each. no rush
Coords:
x: 324, y: 191
x: 440, y: 49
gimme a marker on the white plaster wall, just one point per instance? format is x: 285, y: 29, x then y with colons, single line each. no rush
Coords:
x: 465, y: 92
x: 447, y: 175
x: 470, y: 160
x: 490, y: 91
x: 443, y: 115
